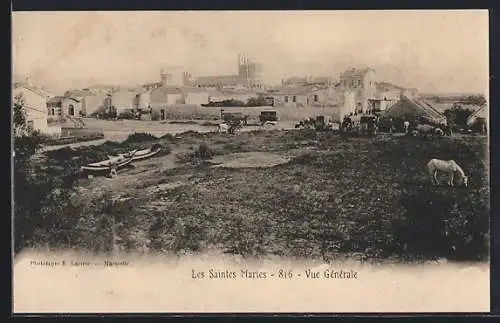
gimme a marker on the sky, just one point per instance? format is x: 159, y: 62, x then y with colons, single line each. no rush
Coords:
x: 434, y: 51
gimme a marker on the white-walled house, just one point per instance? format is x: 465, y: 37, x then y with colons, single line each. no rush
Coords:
x: 363, y: 83
x: 35, y: 105
x: 123, y: 100
x: 166, y: 95
x: 196, y: 96
x: 142, y: 100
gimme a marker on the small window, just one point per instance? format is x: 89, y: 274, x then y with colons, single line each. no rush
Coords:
x: 294, y: 99
x: 286, y: 98
x: 315, y: 98
x: 71, y: 110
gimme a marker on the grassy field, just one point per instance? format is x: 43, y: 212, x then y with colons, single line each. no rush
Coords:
x: 307, y: 195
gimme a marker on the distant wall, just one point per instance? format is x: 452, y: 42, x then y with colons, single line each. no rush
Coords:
x: 284, y: 112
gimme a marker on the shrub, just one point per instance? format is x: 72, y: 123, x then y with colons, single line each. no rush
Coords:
x: 140, y: 137
x: 168, y: 136
x: 204, y: 152
x: 438, y: 225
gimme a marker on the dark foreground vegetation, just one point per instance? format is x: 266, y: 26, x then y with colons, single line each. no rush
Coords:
x: 368, y: 198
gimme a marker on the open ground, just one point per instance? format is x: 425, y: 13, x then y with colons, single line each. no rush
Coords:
x: 293, y: 193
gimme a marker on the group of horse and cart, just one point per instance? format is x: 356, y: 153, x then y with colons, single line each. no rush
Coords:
x: 233, y: 122
x: 362, y: 124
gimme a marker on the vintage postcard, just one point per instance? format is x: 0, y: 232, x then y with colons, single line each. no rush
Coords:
x: 231, y: 161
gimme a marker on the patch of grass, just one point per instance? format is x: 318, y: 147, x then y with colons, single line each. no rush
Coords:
x: 72, y: 140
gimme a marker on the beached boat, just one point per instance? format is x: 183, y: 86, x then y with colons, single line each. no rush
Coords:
x: 126, y: 155
x: 105, y: 165
x: 139, y: 154
x: 145, y: 153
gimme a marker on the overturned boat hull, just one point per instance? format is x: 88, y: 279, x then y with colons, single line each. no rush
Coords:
x: 145, y: 153
x: 107, y: 164
x: 138, y: 154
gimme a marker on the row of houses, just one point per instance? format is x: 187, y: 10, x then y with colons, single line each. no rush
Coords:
x: 356, y: 90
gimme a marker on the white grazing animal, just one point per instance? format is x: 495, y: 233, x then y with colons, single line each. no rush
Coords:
x: 448, y: 166
x: 223, y: 127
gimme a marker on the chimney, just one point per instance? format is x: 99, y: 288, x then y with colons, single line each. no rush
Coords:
x: 28, y: 81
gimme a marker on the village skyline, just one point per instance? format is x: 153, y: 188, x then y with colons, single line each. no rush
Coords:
x: 434, y: 51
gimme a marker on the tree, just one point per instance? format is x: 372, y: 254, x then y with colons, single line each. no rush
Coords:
x: 458, y: 115
x: 257, y: 102
x: 42, y: 208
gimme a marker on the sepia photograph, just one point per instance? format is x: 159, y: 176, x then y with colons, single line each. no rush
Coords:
x: 251, y: 161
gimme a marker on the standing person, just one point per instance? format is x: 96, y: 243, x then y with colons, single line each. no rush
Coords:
x: 406, y: 125
x: 112, y: 170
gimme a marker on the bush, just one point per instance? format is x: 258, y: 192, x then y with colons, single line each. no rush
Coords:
x: 137, y: 137
x: 458, y: 116
x: 435, y: 225
x: 257, y: 102
x: 204, y: 152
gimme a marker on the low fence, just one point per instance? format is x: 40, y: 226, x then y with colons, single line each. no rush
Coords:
x: 290, y: 112
x: 73, y: 135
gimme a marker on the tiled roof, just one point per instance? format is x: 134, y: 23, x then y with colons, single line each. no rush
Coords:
x: 55, y: 100
x: 479, y: 113
x: 423, y: 108
x: 169, y: 90
x: 30, y: 87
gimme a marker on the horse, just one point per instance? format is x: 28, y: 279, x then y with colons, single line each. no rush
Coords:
x: 447, y: 166
x: 223, y: 127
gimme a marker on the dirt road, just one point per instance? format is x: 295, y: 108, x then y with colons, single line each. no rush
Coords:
x: 119, y: 130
